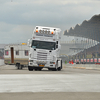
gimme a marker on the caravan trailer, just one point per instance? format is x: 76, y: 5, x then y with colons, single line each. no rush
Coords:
x: 17, y: 54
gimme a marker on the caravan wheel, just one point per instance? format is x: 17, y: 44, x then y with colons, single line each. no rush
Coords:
x: 21, y: 67
x: 18, y: 65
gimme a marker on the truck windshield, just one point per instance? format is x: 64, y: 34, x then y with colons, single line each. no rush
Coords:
x: 43, y: 45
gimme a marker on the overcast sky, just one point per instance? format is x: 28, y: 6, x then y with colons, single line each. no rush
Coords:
x: 19, y: 17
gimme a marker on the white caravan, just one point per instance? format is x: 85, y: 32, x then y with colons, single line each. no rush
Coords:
x: 17, y: 54
x: 44, y: 49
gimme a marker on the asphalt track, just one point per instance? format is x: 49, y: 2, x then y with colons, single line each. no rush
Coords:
x: 68, y: 84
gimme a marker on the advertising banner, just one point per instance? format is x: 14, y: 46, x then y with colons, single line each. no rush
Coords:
x: 91, y: 59
x: 98, y: 59
x: 77, y: 60
x: 81, y: 60
x: 84, y: 60
x: 95, y: 59
x: 88, y: 60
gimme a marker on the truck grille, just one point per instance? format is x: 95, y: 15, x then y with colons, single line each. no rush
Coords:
x: 41, y: 56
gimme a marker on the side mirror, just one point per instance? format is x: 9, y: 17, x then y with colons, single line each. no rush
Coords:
x: 29, y: 42
x: 56, y: 46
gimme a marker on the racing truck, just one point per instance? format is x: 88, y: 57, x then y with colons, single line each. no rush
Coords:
x: 45, y: 49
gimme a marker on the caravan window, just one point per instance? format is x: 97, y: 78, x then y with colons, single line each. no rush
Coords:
x: 17, y: 52
x: 6, y: 52
x: 26, y: 52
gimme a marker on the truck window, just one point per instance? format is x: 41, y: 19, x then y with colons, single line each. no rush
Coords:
x: 6, y: 52
x: 26, y: 52
x: 43, y: 45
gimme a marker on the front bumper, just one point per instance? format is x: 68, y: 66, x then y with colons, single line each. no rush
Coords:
x: 45, y: 64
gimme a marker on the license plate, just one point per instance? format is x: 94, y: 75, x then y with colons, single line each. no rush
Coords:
x: 41, y: 65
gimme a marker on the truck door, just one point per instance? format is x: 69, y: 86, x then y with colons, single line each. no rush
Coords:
x: 12, y: 54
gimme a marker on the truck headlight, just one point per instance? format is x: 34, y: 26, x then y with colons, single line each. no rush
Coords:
x: 30, y: 60
x: 52, y: 62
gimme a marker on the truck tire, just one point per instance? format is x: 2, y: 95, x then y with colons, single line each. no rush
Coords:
x: 30, y: 68
x: 61, y: 64
x: 59, y: 68
x: 49, y: 68
x: 40, y: 69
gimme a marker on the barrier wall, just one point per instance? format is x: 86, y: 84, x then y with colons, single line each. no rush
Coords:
x: 1, y: 61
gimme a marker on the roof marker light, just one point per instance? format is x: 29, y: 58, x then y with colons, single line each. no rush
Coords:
x: 36, y: 31
x: 52, y: 32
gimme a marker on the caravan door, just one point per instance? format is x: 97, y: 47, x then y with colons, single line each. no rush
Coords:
x: 12, y: 54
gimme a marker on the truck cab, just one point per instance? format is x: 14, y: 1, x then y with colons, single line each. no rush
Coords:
x: 44, y: 49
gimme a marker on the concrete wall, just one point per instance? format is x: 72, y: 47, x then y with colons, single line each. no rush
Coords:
x: 1, y: 61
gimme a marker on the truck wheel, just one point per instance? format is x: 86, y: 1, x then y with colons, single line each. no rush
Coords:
x: 59, y: 68
x: 54, y: 69
x: 30, y: 68
x: 49, y: 69
x: 61, y: 64
x: 40, y: 69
